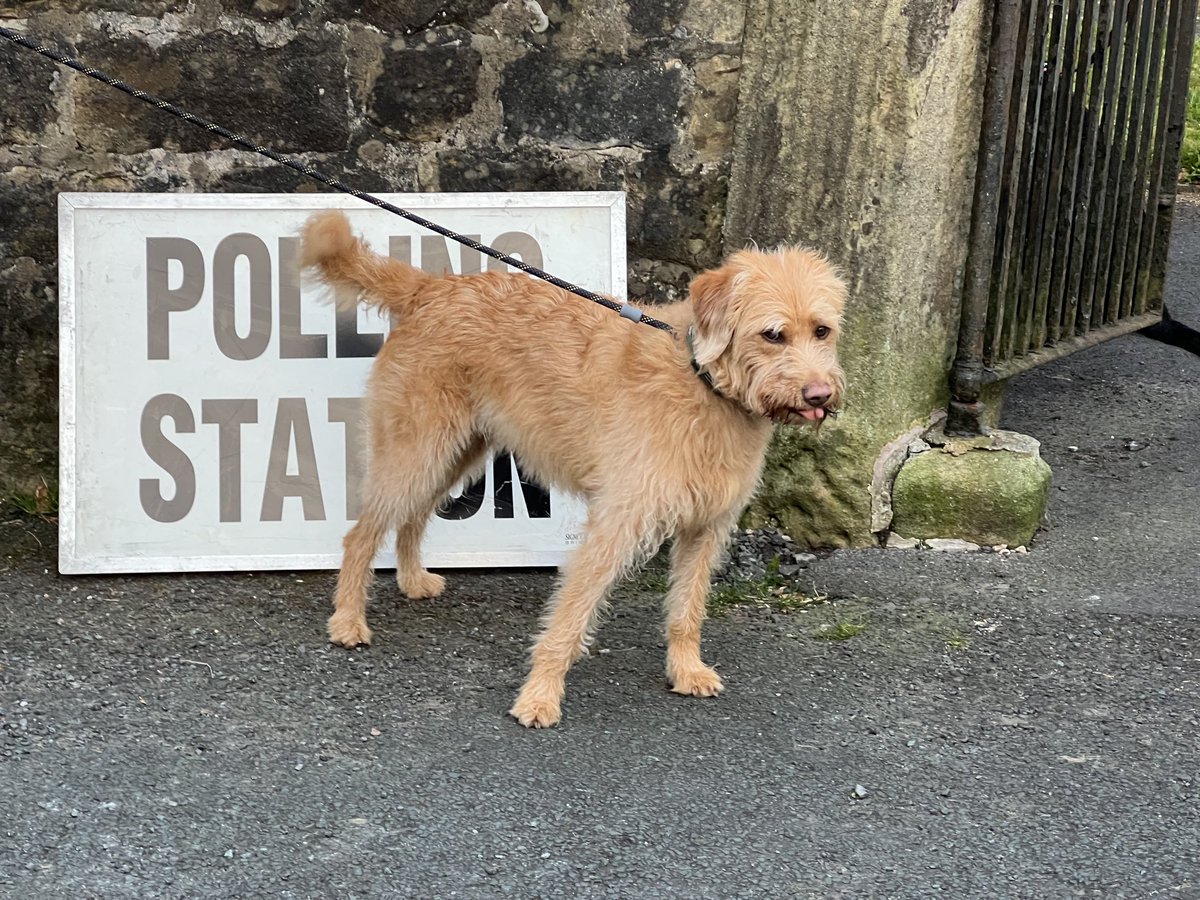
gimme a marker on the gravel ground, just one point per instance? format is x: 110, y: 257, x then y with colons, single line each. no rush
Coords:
x: 997, y: 725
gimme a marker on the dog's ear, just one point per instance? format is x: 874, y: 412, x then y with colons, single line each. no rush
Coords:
x: 712, y: 300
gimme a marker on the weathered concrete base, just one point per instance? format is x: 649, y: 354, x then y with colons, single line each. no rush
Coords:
x: 988, y: 490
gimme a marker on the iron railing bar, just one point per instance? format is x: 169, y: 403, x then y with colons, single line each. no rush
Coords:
x: 1085, y: 314
x: 1102, y: 307
x: 1030, y: 112
x: 1085, y: 178
x: 1162, y: 133
x: 1154, y: 97
x: 1127, y: 202
x: 1014, y: 37
x: 1039, y: 196
x: 1172, y: 146
x: 1158, y: 150
x: 1076, y: 131
x: 1048, y: 302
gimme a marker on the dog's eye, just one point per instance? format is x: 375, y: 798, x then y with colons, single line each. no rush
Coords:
x: 773, y: 336
x: 822, y: 332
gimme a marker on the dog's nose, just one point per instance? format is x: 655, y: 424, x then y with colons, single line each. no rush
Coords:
x: 817, y: 394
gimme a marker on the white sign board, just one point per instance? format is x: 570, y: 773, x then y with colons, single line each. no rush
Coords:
x: 210, y: 401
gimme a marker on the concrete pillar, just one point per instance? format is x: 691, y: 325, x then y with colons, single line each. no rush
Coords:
x: 857, y: 133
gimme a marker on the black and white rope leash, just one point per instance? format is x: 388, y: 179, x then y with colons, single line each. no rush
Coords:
x: 623, y: 309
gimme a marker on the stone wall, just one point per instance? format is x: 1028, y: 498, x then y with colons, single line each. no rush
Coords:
x: 850, y: 127
x: 414, y: 95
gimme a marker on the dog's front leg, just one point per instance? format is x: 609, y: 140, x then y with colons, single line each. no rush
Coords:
x: 693, y: 555
x: 608, y: 548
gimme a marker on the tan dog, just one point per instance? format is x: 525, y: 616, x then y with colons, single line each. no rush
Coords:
x: 593, y: 404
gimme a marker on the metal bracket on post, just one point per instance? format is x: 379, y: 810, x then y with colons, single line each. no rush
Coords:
x: 964, y: 415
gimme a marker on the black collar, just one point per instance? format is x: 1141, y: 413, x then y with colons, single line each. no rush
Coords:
x: 702, y: 374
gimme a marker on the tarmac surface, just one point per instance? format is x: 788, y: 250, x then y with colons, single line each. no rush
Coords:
x: 1003, y: 725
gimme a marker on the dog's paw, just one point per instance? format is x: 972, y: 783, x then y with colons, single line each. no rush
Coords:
x: 699, y: 682
x: 424, y: 586
x: 535, y: 714
x: 349, y: 631
x: 536, y: 709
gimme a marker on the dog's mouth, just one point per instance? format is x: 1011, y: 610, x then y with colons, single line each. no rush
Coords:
x: 797, y: 415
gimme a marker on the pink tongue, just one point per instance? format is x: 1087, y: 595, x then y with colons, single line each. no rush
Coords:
x: 813, y: 415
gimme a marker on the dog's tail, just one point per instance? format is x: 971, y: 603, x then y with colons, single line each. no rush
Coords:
x: 342, y: 260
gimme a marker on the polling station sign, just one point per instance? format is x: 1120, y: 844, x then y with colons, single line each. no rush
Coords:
x: 211, y: 404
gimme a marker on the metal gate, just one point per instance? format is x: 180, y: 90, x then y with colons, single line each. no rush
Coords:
x: 1079, y: 153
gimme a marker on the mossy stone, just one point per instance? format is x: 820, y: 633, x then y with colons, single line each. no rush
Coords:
x: 988, y: 497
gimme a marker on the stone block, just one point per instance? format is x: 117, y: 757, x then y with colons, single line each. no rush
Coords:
x: 289, y: 98
x: 426, y: 85
x: 28, y: 376
x: 604, y: 102
x: 680, y: 213
x: 985, y: 496
x: 264, y: 9
x: 28, y: 209
x: 951, y: 545
x: 251, y: 179
x: 526, y: 168
x: 26, y: 100
x: 147, y: 8
x: 811, y: 486
x: 655, y: 18
x: 400, y: 17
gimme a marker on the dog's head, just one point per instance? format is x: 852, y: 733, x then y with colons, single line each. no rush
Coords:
x: 766, y: 329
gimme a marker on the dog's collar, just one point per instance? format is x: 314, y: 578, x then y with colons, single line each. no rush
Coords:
x: 702, y: 374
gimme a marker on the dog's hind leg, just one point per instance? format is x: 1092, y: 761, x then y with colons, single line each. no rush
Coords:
x: 411, y: 470
x: 693, y: 555
x: 610, y: 545
x: 412, y: 578
x: 348, y: 624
